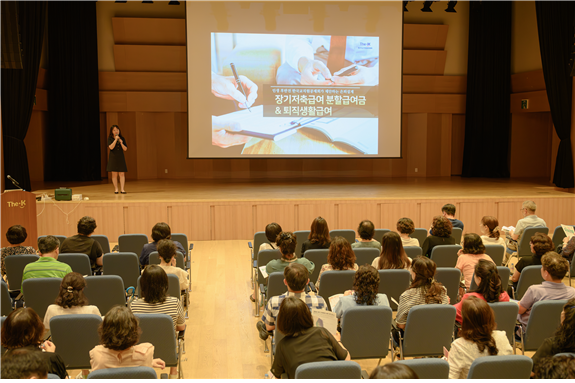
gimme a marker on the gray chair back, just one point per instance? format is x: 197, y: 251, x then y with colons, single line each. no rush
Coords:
x: 506, y: 317
x: 105, y: 292
x: 496, y: 252
x: 428, y: 368
x: 501, y: 367
x: 544, y: 319
x: 345, y: 233
x: 457, y: 233
x: 337, y: 369
x: 15, y: 265
x: 504, y: 273
x: 155, y: 259
x: 75, y: 336
x: 158, y: 329
x: 264, y: 257
x: 523, y: 247
x: 132, y: 243
x: 530, y: 275
x: 319, y: 258
x: 125, y: 265
x: 420, y: 234
x: 300, y: 236
x: 103, y: 241
x: 61, y: 238
x: 393, y: 283
x: 182, y: 238
x: 558, y: 235
x: 449, y: 277
x: 52, y: 376
x: 80, y: 263
x: 365, y: 331
x: 173, y: 286
x: 259, y: 238
x: 39, y: 293
x: 429, y: 328
x: 413, y: 251
x: 6, y: 301
x: 140, y: 372
x: 365, y: 255
x: 335, y: 282
x: 445, y: 255
x: 276, y: 285
x: 2, y: 349
x: 379, y: 234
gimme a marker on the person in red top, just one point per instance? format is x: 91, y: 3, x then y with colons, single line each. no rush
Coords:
x: 489, y: 286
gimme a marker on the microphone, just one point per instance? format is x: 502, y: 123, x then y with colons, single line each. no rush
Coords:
x: 13, y: 180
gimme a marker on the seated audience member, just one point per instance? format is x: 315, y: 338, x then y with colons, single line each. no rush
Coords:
x: 557, y: 367
x: 272, y: 231
x: 568, y: 248
x: 318, y: 237
x: 553, y: 271
x: 423, y: 290
x: 477, y: 338
x: 16, y: 235
x: 405, y: 228
x: 364, y: 293
x: 488, y: 286
x: 287, y: 242
x: 490, y: 233
x: 24, y: 364
x: 564, y: 338
x: 82, y: 243
x: 48, y: 265
x: 340, y: 257
x: 23, y: 330
x: 540, y: 244
x: 393, y: 371
x: 473, y: 250
x: 366, y: 231
x: 441, y: 228
x: 448, y: 211
x: 303, y: 343
x: 119, y: 335
x: 167, y: 251
x: 529, y: 219
x: 160, y: 231
x: 392, y: 253
x: 296, y: 278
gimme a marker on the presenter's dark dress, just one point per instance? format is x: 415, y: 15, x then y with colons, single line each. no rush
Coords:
x: 117, y: 162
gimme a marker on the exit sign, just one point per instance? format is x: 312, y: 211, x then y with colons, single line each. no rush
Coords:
x: 525, y: 104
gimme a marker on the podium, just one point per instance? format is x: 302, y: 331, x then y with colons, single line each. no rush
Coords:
x: 19, y: 208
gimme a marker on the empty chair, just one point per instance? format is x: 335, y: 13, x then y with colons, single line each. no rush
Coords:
x: 141, y: 372
x: 173, y: 286
x: 393, y: 283
x: 80, y: 263
x: 319, y: 258
x: 103, y: 241
x: 379, y: 234
x: 275, y: 285
x: 347, y: 234
x: 449, y: 277
x: 413, y: 251
x: 530, y: 275
x: 558, y: 235
x: 125, y: 265
x: 335, y: 282
x: 264, y: 257
x: 496, y: 252
x: 544, y: 319
x: 75, y: 336
x: 39, y: 293
x: 300, y: 236
x: 158, y: 329
x: 6, y: 301
x: 15, y: 265
x: 457, y: 233
x: 428, y: 368
x: 334, y: 369
x: 132, y: 243
x: 504, y: 273
x: 105, y: 292
x: 434, y: 323
x: 155, y: 259
x: 365, y: 255
x: 445, y: 255
x: 182, y: 238
x: 523, y: 247
x: 420, y: 234
x: 506, y: 317
x: 259, y: 238
x: 501, y: 367
x: 61, y: 238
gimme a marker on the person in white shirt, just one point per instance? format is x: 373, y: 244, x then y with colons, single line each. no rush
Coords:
x: 167, y: 252
x: 490, y: 232
x: 529, y: 219
x: 405, y: 228
x: 477, y: 338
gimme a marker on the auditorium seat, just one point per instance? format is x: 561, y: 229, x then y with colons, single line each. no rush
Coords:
x: 393, y: 283
x: 80, y: 263
x: 75, y: 335
x: 319, y: 258
x: 445, y: 255
x: 39, y: 293
x: 501, y: 367
x: 345, y: 233
x: 449, y: 277
x: 125, y: 265
x: 544, y: 319
x: 105, y: 292
x: 530, y: 275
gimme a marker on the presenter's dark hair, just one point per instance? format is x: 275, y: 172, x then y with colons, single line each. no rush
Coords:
x: 112, y: 131
x: 161, y: 230
x: 16, y: 234
x: 86, y: 225
x: 319, y: 232
x: 154, y: 284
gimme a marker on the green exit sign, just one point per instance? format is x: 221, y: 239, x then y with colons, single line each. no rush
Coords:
x: 524, y: 104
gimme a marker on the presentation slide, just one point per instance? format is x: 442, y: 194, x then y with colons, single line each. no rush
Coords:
x: 287, y: 80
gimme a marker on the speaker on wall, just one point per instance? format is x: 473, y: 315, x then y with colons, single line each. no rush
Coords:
x: 11, y: 50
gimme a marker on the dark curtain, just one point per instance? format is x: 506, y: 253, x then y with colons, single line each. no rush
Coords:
x: 18, y: 90
x: 73, y: 136
x: 487, y: 116
x: 555, y: 26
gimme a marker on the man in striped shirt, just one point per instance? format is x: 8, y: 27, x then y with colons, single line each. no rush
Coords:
x: 296, y: 279
x: 48, y: 265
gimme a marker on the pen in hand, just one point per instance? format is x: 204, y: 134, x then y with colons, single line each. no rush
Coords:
x: 240, y: 86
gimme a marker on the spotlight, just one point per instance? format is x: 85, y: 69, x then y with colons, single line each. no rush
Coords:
x: 427, y: 6
x: 451, y: 7
x: 174, y: 3
x: 405, y: 6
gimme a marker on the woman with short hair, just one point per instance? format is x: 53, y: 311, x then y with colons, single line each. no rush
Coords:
x: 303, y: 343
x: 287, y: 243
x: 406, y: 227
x: 473, y: 250
x: 16, y: 235
x: 272, y: 231
x: 318, y: 237
x: 441, y: 228
x: 392, y: 255
x: 540, y: 245
x: 340, y: 257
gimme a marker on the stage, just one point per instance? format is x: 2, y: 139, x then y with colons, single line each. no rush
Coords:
x: 213, y: 210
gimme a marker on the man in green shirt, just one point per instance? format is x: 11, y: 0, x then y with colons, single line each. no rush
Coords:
x: 47, y: 266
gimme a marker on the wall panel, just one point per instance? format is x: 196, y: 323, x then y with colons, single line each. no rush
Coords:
x: 141, y: 217
x: 351, y: 214
x: 281, y: 213
x: 232, y: 222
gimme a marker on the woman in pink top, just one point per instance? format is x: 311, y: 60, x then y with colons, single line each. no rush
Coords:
x: 473, y: 250
x: 488, y: 286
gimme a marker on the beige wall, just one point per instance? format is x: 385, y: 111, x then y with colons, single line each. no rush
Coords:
x: 525, y: 54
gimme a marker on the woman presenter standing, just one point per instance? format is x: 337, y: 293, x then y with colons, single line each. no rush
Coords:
x: 117, y: 162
